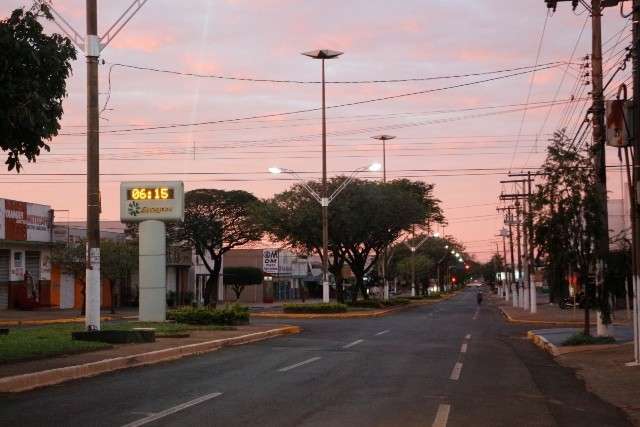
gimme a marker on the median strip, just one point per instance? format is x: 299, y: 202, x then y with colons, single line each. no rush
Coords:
x: 154, y: 417
x: 297, y: 365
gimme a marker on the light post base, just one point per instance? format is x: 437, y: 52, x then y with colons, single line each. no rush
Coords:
x: 413, y: 291
x: 325, y: 292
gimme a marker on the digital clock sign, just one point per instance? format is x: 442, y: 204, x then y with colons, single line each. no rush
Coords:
x: 150, y: 193
x: 159, y: 200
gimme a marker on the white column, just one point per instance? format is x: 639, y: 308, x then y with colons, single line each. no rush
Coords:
x: 325, y: 292
x: 153, y: 271
x: 533, y: 299
x: 514, y: 294
x: 92, y: 291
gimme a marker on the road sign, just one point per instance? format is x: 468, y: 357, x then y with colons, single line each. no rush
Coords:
x: 151, y: 200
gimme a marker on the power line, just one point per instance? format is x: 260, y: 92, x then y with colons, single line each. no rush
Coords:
x: 308, y: 110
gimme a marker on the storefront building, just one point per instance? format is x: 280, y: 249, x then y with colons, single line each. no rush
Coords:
x: 25, y: 250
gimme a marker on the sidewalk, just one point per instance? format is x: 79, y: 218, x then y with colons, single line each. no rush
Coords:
x: 551, y: 314
x: 22, y: 376
x: 51, y: 316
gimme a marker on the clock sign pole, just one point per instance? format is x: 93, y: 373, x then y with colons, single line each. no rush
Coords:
x: 152, y: 203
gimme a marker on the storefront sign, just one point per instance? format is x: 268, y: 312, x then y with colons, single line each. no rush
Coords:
x: 158, y: 200
x: 22, y: 221
x: 270, y: 261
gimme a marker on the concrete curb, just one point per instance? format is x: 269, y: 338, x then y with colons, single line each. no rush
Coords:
x: 543, y: 343
x: 34, y: 322
x: 24, y: 382
x: 547, y: 322
x: 556, y: 351
x: 350, y: 315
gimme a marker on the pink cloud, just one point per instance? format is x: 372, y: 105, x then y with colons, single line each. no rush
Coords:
x: 148, y: 43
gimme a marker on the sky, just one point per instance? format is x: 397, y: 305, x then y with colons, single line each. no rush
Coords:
x: 462, y: 139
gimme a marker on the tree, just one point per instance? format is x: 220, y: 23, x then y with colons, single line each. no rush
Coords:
x: 366, y: 217
x: 71, y: 257
x: 33, y: 71
x: 566, y: 221
x: 216, y: 221
x: 239, y: 277
x: 118, y: 260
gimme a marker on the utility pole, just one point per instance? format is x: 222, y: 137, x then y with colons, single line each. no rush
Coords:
x: 92, y: 45
x: 598, y: 152
x: 507, y: 289
x: 635, y: 207
x: 519, y: 282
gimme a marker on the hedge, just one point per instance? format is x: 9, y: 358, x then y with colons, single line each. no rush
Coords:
x: 314, y: 308
x: 377, y: 303
x: 228, y: 315
x: 581, y: 339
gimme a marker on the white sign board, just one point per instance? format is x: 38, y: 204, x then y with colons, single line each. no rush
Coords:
x: 618, y: 122
x: 151, y: 200
x: 270, y: 261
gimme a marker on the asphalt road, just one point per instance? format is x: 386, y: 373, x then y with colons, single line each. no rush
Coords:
x: 448, y: 364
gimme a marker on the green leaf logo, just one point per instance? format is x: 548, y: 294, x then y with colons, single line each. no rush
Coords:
x: 134, y: 208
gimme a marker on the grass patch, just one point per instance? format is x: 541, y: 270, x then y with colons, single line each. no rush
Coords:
x: 41, y: 342
x: 32, y: 343
x: 581, y: 339
x: 314, y: 308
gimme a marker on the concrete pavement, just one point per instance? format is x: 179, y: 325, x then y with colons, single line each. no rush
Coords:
x: 448, y: 364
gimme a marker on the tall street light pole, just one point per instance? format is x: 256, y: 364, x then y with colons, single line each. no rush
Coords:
x: 384, y: 139
x: 323, y: 54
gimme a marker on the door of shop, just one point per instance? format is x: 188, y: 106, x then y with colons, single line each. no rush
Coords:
x: 5, y: 260
x: 67, y: 290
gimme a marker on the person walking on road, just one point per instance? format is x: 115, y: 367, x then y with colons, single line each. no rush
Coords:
x: 479, y: 297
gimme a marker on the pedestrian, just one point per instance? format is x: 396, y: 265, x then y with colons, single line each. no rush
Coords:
x: 479, y: 297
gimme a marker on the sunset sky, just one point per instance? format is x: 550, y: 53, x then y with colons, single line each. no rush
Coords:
x: 453, y: 138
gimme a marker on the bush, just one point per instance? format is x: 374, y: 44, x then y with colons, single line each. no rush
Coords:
x: 314, y: 308
x: 581, y: 339
x: 229, y: 315
x: 377, y: 303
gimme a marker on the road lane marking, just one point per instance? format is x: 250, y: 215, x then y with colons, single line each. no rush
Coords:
x: 297, y: 365
x: 154, y: 417
x: 468, y: 337
x: 442, y: 416
x: 457, y: 370
x: 382, y: 332
x: 475, y: 316
x: 463, y: 349
x: 351, y: 344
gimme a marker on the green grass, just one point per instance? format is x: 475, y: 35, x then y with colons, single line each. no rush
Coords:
x: 31, y: 343
x: 42, y: 342
x: 319, y: 308
x: 582, y: 339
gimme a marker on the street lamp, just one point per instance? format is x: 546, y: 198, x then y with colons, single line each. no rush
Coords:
x: 323, y: 54
x: 384, y: 139
x: 324, y: 202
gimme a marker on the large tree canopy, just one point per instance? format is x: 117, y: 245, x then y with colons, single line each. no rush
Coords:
x: 363, y: 219
x: 216, y: 221
x: 33, y: 71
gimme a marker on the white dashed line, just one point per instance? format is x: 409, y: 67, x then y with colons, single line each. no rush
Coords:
x: 290, y: 367
x: 170, y: 411
x: 463, y: 349
x: 475, y: 316
x: 382, y: 332
x: 468, y: 337
x: 442, y: 416
x: 351, y: 344
x: 457, y: 370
